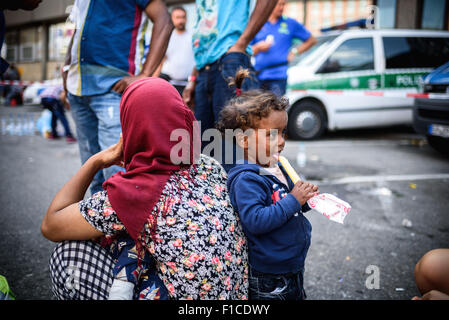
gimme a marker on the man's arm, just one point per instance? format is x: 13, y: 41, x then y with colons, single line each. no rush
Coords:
x: 307, y: 45
x: 158, y: 71
x: 67, y: 62
x: 261, y: 46
x: 160, y: 36
x: 189, y: 91
x: 65, y: 71
x: 258, y: 18
x: 303, y: 47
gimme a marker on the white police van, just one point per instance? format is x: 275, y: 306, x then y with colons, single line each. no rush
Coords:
x: 360, y: 78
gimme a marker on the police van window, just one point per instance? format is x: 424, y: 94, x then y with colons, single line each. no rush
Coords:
x: 414, y: 52
x: 351, y: 55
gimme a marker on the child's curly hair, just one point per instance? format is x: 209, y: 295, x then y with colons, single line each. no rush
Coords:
x: 246, y: 109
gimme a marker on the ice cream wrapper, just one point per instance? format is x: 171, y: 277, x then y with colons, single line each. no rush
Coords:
x: 330, y: 206
x: 327, y: 204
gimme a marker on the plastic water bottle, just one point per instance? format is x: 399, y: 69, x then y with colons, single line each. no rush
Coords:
x: 10, y: 126
x: 31, y: 125
x: 301, y: 156
x: 4, y: 126
x: 18, y: 127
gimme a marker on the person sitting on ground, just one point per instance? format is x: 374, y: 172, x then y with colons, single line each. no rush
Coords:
x: 432, y: 275
x: 172, y: 201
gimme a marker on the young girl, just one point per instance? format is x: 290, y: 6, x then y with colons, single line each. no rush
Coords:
x: 270, y: 206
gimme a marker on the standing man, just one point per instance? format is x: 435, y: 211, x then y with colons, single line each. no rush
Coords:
x: 223, y: 31
x: 178, y: 62
x: 272, y: 45
x: 104, y: 57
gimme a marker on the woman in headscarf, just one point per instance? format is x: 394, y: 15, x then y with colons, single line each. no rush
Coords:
x: 172, y: 201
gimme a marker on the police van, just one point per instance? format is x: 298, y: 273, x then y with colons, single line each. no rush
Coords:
x: 360, y: 78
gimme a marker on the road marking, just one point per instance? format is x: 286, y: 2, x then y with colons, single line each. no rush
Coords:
x: 363, y: 143
x: 388, y: 178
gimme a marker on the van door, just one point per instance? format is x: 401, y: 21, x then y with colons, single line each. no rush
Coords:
x: 350, y: 70
x: 407, y: 60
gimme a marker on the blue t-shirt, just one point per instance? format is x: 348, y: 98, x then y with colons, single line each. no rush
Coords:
x: 282, y: 32
x: 218, y: 26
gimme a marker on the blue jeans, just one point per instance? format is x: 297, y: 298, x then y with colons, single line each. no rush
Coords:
x: 57, y: 112
x: 97, y: 120
x: 277, y: 86
x: 212, y: 91
x: 264, y: 286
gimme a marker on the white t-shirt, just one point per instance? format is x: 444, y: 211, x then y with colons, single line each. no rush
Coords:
x: 179, y: 60
x: 276, y: 171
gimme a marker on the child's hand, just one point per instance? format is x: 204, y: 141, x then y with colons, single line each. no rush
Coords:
x: 303, y: 191
x: 112, y: 155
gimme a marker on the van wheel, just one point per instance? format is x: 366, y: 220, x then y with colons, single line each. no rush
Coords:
x: 306, y: 121
x: 440, y: 144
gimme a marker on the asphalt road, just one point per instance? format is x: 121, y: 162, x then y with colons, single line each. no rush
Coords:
x: 387, y: 175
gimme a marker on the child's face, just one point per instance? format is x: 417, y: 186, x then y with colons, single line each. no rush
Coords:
x: 265, y: 143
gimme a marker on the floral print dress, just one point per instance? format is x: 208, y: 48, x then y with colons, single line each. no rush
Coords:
x: 193, y: 234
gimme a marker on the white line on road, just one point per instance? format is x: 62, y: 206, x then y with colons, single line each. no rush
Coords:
x: 365, y: 179
x: 364, y: 143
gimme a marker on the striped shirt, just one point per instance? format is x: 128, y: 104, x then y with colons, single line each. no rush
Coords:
x: 52, y: 92
x: 109, y: 44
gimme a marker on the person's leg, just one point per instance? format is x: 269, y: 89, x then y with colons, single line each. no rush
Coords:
x: 48, y: 103
x: 54, y: 124
x: 81, y: 270
x: 432, y: 271
x: 277, y: 86
x: 203, y: 104
x: 107, y: 111
x: 228, y: 66
x: 87, y: 131
x: 180, y: 89
x: 60, y: 114
x: 264, y: 85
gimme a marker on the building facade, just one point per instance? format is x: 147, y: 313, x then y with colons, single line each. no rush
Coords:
x: 37, y: 41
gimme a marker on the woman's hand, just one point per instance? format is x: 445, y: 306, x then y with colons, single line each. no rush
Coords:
x: 112, y: 155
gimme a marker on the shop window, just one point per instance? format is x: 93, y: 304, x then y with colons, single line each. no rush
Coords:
x: 433, y: 14
x: 12, y: 46
x: 59, y: 36
x: 30, y: 46
x: 387, y: 13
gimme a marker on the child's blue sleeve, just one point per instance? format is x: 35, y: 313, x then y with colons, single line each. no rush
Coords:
x: 251, y: 199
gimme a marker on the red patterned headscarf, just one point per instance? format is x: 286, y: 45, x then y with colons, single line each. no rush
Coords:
x: 150, y: 111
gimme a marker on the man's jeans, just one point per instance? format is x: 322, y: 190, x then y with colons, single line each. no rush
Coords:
x: 212, y: 91
x: 277, y: 86
x: 263, y: 286
x: 97, y: 120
